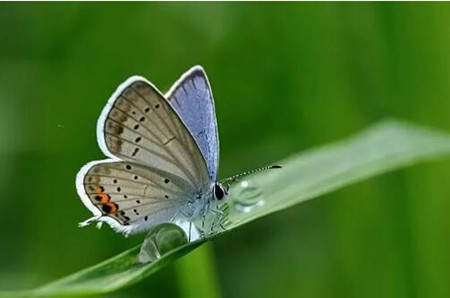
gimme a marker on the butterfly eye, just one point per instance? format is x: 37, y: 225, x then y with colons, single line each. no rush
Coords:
x: 218, y: 192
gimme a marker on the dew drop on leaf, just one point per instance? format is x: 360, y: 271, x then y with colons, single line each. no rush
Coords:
x: 247, y: 195
x: 161, y: 240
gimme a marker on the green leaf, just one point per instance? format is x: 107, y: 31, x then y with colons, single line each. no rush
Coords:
x: 387, y: 146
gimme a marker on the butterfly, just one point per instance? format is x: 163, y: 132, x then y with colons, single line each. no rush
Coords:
x: 163, y: 158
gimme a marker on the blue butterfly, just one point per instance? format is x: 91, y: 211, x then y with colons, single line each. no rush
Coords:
x: 163, y: 158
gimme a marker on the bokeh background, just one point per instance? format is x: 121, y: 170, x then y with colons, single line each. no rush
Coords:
x: 286, y: 77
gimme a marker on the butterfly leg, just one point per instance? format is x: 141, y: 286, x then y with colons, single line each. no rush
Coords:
x: 204, y: 218
x: 202, y: 232
x: 190, y: 230
x: 218, y: 219
x: 211, y: 228
x: 217, y: 211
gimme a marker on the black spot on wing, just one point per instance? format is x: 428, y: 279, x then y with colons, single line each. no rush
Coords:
x: 106, y: 208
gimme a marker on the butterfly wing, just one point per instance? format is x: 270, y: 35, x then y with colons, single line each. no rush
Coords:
x: 131, y: 197
x: 139, y: 127
x: 192, y: 98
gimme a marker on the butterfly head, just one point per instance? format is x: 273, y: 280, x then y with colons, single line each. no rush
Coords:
x: 219, y: 192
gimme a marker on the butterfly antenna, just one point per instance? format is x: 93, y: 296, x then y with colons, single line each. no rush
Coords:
x: 238, y: 176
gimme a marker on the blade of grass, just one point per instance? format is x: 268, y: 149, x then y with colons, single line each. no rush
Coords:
x: 385, y: 147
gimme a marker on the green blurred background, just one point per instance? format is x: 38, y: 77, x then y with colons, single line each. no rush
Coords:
x: 286, y: 77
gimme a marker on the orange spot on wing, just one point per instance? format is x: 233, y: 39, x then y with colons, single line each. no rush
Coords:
x: 101, y: 197
x: 104, y: 198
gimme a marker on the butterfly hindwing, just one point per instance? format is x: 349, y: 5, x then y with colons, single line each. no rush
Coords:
x: 192, y: 98
x: 132, y: 195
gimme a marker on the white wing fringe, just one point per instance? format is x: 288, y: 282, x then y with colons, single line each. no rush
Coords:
x: 125, y: 230
x: 128, y: 230
x: 89, y: 221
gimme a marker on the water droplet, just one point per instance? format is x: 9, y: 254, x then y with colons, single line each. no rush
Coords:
x: 247, y: 196
x: 161, y: 240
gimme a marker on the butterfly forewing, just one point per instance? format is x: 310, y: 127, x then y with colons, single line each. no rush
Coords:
x: 140, y: 126
x: 191, y: 97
